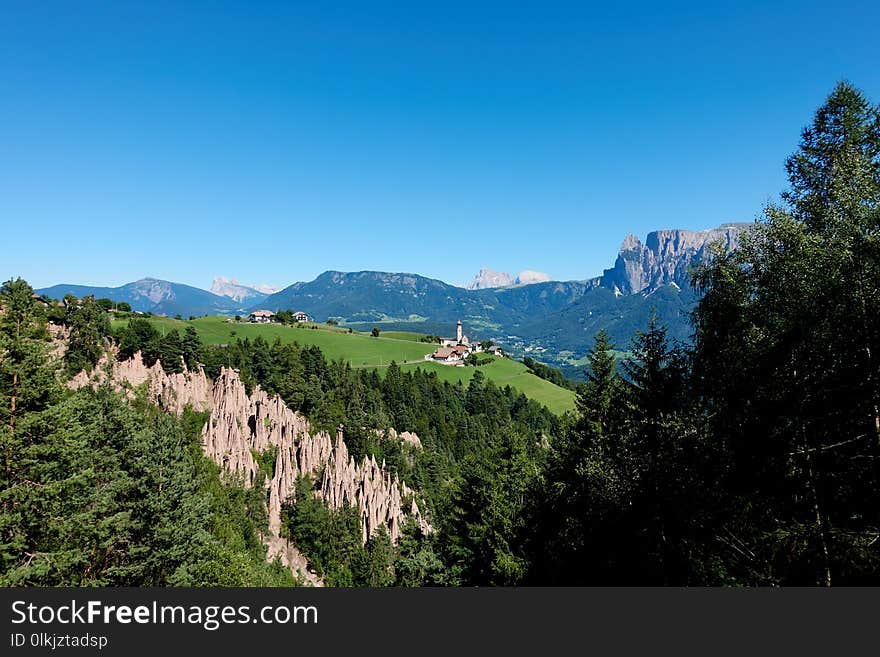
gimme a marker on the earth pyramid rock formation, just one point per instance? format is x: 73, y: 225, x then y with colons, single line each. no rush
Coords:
x: 173, y: 392
x: 240, y: 425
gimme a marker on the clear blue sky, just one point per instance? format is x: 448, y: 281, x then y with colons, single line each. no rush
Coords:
x: 272, y: 141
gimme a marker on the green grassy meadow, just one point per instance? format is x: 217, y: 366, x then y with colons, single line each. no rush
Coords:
x: 503, y: 372
x: 364, y: 351
x: 402, y: 335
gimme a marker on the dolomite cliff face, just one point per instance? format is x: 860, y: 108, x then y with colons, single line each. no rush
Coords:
x: 240, y: 425
x: 664, y: 258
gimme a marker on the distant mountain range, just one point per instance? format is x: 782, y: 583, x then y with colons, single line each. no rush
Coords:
x: 527, y: 314
x: 155, y: 296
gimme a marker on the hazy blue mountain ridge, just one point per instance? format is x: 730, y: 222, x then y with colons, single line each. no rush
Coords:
x: 554, y: 321
x: 155, y: 296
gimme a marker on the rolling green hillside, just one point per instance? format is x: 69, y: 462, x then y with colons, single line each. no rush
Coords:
x: 359, y: 349
x: 503, y: 372
x: 363, y: 350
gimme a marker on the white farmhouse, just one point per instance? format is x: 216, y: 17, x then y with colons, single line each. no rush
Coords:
x: 261, y: 316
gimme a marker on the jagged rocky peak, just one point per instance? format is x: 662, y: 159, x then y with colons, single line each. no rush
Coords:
x: 230, y: 287
x: 665, y: 258
x: 630, y: 243
x: 489, y: 278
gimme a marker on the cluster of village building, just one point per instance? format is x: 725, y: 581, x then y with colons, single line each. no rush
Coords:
x: 454, y: 351
x: 267, y: 316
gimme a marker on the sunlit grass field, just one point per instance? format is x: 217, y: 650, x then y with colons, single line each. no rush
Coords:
x: 364, y: 351
x: 504, y: 371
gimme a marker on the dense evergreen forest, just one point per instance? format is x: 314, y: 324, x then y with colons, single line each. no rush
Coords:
x: 97, y: 490
x: 748, y: 456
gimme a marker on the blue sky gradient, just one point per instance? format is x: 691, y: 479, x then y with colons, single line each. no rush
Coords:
x: 272, y: 141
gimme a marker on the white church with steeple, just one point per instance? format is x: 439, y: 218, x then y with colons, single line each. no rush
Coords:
x: 454, y: 351
x: 459, y: 339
